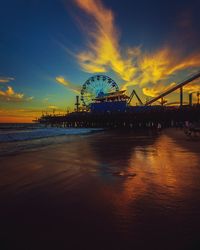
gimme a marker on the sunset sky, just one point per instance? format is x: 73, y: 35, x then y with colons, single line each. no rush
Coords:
x: 49, y: 48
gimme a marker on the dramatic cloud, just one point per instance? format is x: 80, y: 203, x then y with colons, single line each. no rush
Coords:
x: 133, y: 65
x: 61, y: 80
x: 160, y: 66
x: 192, y: 88
x: 7, y: 93
x: 103, y: 46
x: 10, y: 95
x: 157, y: 90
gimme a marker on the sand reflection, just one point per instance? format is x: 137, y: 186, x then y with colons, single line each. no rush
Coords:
x: 154, y: 171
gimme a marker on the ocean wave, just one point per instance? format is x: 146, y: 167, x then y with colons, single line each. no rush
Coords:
x: 10, y: 136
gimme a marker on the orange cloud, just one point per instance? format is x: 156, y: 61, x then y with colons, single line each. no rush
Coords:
x: 161, y: 65
x: 157, y: 89
x: 132, y: 65
x: 61, y: 80
x: 10, y: 95
x: 103, y: 47
x: 152, y: 92
x: 190, y: 61
x: 153, y: 66
x: 191, y: 88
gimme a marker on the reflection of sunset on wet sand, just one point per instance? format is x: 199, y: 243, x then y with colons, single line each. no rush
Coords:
x: 124, y: 188
x: 160, y: 172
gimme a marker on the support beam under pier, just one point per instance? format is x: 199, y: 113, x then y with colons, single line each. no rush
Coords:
x: 181, y: 96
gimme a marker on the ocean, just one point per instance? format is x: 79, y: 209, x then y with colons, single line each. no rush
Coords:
x: 16, y: 137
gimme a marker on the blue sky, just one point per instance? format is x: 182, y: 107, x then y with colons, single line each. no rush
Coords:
x: 42, y: 40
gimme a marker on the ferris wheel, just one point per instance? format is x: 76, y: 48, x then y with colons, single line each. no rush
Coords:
x: 97, y: 86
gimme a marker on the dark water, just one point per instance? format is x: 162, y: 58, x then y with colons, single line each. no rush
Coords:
x: 111, y: 190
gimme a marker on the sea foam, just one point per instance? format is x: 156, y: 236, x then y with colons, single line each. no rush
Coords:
x: 23, y: 135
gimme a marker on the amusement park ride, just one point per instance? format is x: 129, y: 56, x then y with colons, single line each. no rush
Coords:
x: 105, y: 105
x: 101, y: 94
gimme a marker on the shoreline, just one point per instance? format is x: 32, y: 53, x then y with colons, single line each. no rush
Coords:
x: 120, y: 189
x: 16, y: 147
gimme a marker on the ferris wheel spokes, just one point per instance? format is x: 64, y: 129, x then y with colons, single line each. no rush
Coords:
x: 95, y: 86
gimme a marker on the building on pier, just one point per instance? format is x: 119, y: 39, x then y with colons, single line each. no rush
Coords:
x: 110, y: 102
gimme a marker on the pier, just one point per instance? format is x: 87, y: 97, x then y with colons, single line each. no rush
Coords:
x: 134, y: 118
x: 112, y: 109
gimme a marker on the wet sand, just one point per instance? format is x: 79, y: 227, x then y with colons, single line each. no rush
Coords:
x: 110, y: 190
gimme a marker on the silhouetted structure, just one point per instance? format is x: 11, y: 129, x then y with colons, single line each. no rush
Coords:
x: 112, y: 109
x: 178, y: 86
x: 134, y: 117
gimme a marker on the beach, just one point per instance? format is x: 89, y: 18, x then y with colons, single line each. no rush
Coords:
x: 102, y: 190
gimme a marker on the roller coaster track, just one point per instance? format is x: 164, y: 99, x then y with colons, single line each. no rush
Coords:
x: 178, y: 86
